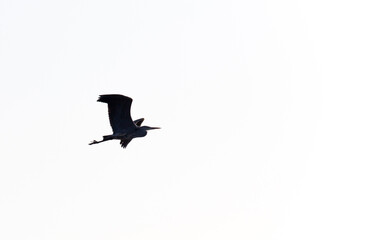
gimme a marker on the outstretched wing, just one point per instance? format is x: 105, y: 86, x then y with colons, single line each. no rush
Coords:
x: 124, y: 142
x: 119, y: 112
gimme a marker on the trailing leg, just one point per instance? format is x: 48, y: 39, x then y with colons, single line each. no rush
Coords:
x: 105, y: 138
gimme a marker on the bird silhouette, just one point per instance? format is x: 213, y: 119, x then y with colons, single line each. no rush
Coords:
x: 124, y: 128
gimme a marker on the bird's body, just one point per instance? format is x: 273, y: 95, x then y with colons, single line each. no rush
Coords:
x: 124, y: 128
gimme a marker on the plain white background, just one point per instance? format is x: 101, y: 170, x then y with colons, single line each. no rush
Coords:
x: 266, y: 109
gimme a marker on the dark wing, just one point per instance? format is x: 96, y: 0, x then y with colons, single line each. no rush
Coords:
x: 124, y: 142
x: 119, y: 112
x: 139, y: 122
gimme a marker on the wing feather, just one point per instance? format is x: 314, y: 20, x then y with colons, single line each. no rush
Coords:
x: 139, y: 122
x: 124, y: 142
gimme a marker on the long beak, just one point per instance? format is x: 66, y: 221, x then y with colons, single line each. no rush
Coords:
x: 150, y: 128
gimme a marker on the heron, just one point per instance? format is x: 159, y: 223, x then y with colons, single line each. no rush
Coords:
x: 124, y: 128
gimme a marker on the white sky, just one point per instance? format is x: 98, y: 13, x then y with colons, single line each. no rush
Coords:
x: 266, y: 109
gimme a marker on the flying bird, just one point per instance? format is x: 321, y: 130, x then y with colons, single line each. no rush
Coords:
x: 124, y: 128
